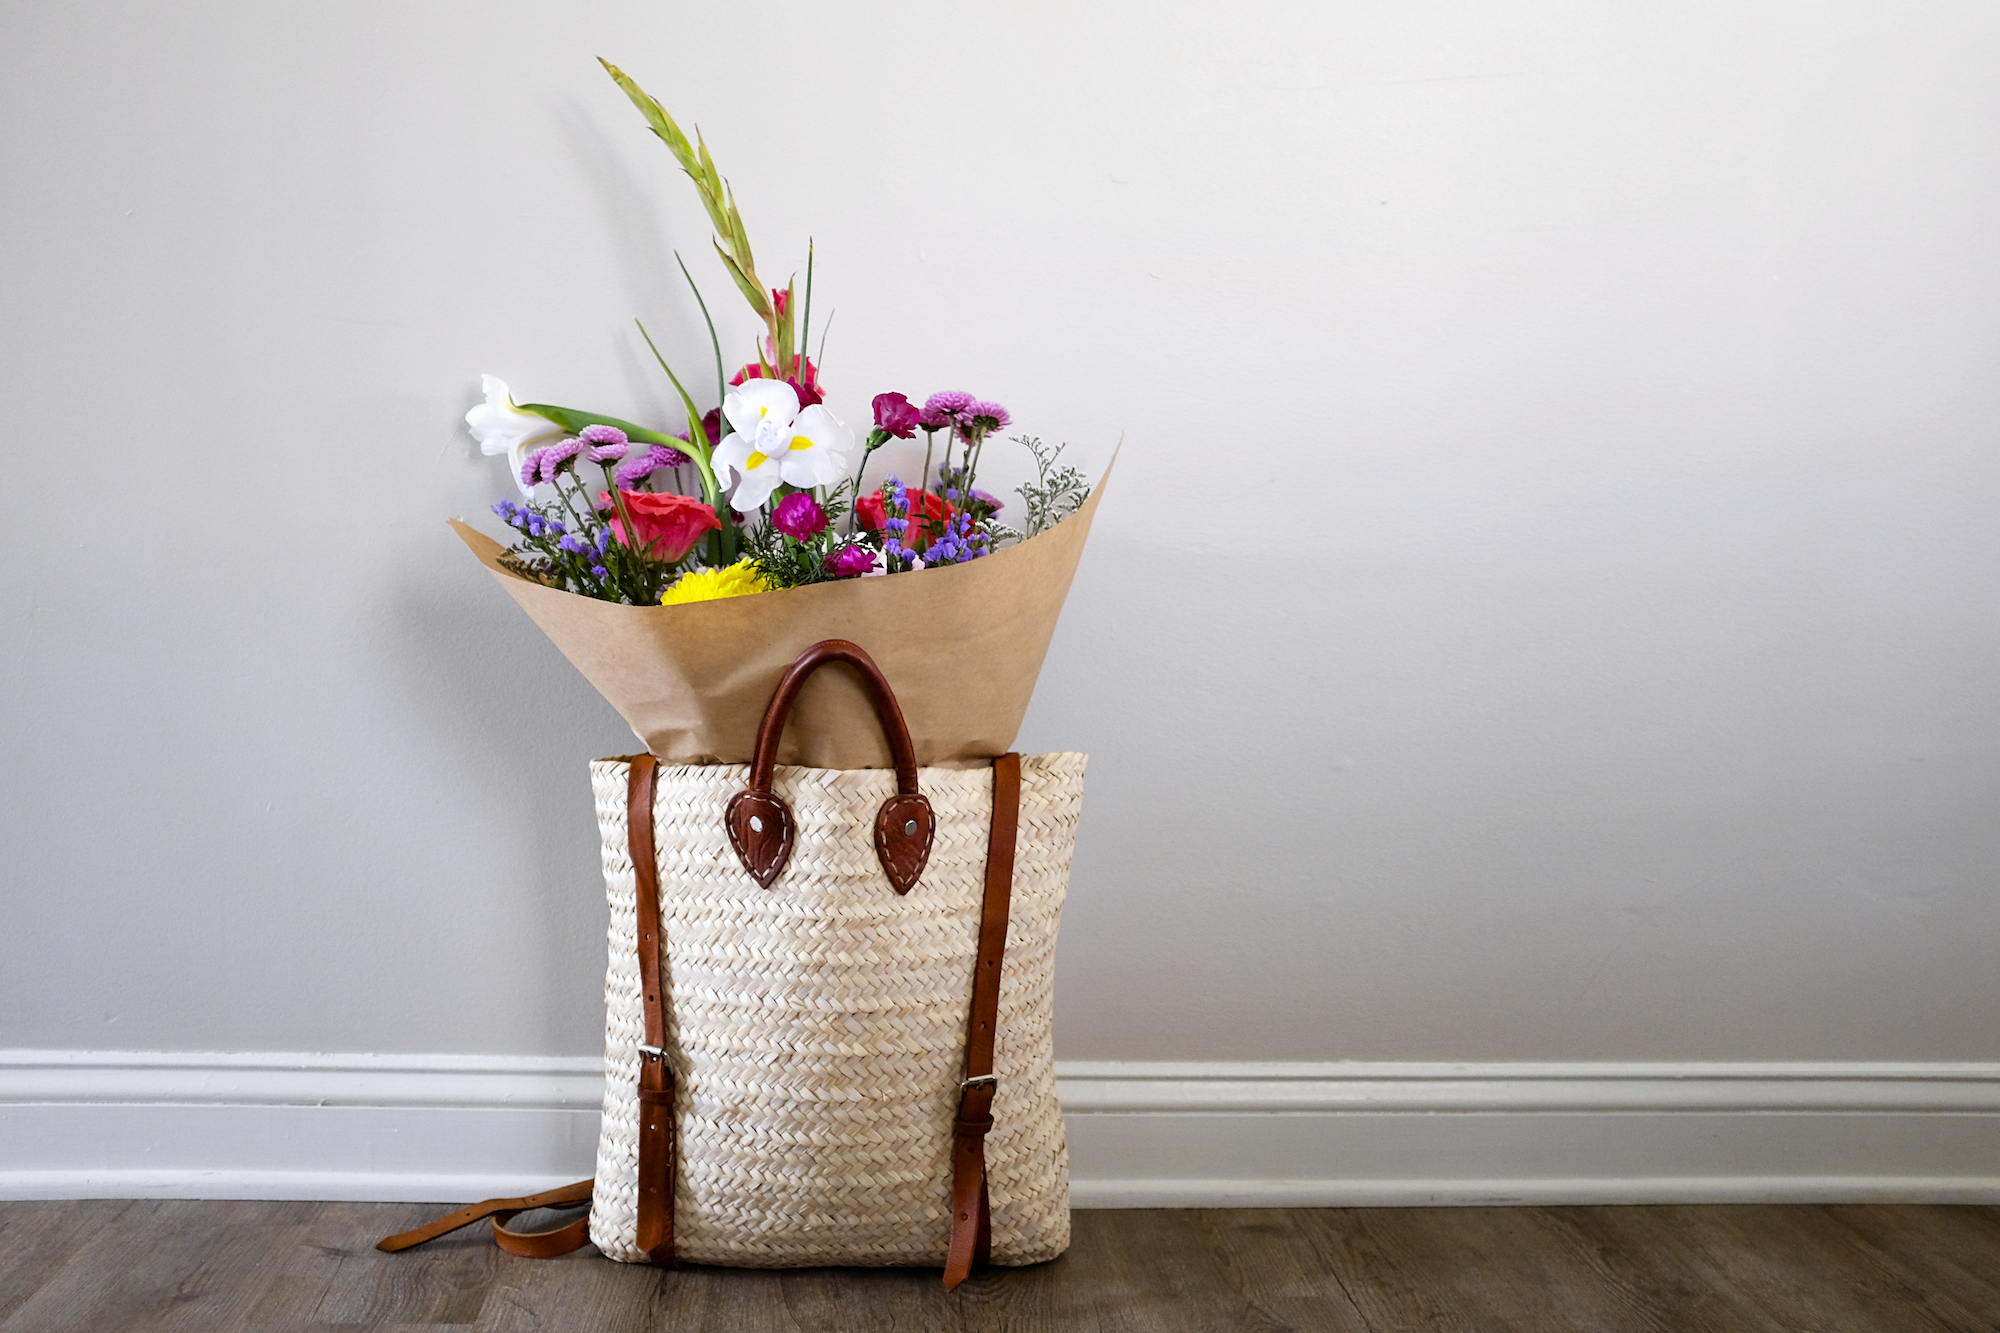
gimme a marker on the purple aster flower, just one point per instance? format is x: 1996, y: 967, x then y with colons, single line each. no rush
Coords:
x: 558, y: 458
x: 850, y: 562
x: 799, y: 517
x: 978, y: 418
x: 646, y: 464
x: 990, y: 504
x: 607, y: 444
x: 531, y: 468
x: 950, y: 402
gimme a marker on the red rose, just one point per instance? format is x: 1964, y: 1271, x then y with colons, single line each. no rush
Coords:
x: 924, y: 505
x: 669, y: 525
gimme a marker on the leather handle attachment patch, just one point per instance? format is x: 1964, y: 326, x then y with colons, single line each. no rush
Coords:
x: 761, y: 827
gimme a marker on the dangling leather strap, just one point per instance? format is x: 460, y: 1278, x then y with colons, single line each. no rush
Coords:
x: 656, y: 1088
x: 971, y: 1212
x: 533, y: 1244
x: 656, y: 1079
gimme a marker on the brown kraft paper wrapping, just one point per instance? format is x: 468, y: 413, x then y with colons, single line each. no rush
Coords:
x: 960, y: 645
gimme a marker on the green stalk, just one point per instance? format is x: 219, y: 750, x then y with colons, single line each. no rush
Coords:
x: 806, y: 319
x: 721, y: 379
x: 711, y: 490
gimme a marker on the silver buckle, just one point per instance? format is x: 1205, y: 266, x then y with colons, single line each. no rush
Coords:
x: 650, y: 1053
x: 994, y: 1079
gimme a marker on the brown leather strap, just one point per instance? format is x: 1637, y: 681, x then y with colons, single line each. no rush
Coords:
x: 656, y: 1079
x: 534, y: 1244
x: 761, y: 826
x: 971, y: 1213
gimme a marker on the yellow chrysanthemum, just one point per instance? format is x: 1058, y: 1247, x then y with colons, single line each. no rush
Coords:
x: 706, y: 585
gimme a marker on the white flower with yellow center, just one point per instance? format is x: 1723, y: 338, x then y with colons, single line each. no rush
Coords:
x: 772, y: 441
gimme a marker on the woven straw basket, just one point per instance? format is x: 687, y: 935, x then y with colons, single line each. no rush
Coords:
x: 817, y: 1029
x: 828, y: 1011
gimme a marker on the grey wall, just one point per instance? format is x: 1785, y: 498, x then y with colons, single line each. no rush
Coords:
x: 1547, y: 608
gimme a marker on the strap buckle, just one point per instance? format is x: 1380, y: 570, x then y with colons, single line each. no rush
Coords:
x: 650, y: 1053
x: 993, y: 1079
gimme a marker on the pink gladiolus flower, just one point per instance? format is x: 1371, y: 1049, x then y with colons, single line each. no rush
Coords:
x: 806, y: 385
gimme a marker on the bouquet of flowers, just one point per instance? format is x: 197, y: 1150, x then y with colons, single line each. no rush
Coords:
x: 629, y: 541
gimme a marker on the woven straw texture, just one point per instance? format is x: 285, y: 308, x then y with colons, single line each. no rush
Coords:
x: 816, y: 1029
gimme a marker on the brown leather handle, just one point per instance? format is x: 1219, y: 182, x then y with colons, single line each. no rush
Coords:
x: 761, y: 826
x: 765, y: 758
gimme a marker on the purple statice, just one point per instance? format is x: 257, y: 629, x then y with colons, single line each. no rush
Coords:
x: 607, y: 444
x: 558, y: 458
x: 799, y: 516
x: 513, y: 515
x: 572, y: 545
x: 850, y: 562
x: 959, y: 543
x: 600, y: 571
x: 645, y: 465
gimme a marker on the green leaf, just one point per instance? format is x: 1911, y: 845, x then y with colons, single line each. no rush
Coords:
x: 573, y: 420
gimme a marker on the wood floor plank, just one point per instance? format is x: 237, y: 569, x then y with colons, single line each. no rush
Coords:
x: 37, y: 1239
x: 1487, y: 1269
x: 215, y: 1266
x: 444, y: 1282
x: 1950, y: 1256
x: 1769, y: 1263
x: 141, y: 1274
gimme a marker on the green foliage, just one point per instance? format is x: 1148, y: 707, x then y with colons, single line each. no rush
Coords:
x: 786, y: 562
x: 1055, y: 494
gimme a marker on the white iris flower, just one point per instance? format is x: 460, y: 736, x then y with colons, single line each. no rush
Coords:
x: 772, y: 441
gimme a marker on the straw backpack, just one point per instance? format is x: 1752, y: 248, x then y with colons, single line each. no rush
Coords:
x: 814, y: 1054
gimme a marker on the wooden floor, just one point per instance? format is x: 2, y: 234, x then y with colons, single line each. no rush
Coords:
x: 105, y: 1266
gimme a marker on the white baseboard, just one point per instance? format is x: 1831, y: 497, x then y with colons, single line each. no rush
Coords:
x: 76, y: 1124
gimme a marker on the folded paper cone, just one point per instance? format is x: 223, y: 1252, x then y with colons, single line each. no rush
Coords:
x: 960, y: 645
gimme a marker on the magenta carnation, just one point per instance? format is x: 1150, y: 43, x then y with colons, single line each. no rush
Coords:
x: 896, y: 415
x: 850, y: 562
x: 799, y: 516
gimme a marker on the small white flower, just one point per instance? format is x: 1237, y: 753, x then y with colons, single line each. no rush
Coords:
x: 503, y: 428
x: 772, y: 441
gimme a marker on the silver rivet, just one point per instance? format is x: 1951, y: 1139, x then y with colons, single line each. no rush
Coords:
x: 756, y: 824
x: 910, y: 829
